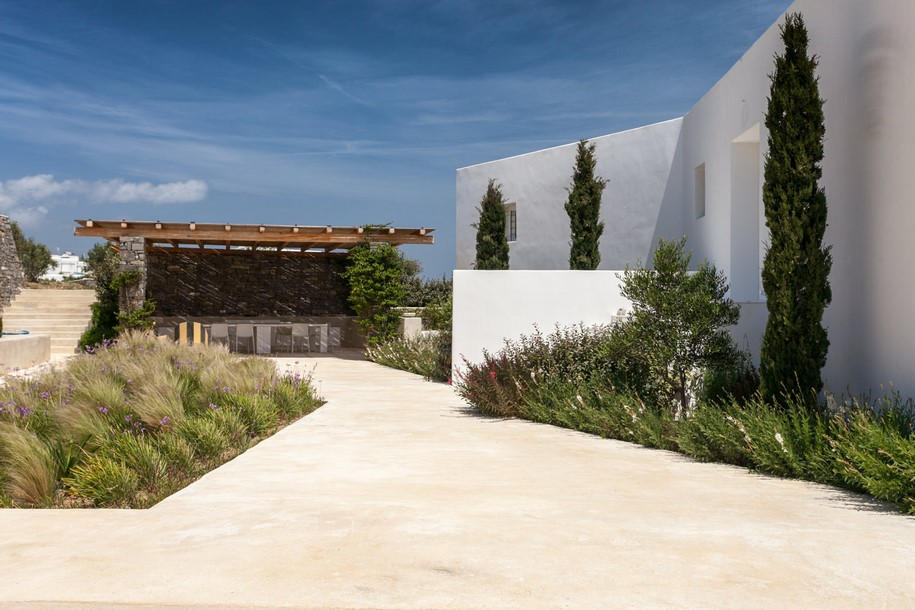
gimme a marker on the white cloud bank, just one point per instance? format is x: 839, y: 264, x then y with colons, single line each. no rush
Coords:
x: 27, y: 199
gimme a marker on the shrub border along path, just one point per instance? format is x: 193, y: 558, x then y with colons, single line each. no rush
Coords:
x: 394, y: 494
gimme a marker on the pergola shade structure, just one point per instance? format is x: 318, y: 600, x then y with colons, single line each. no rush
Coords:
x: 169, y: 236
x: 217, y: 273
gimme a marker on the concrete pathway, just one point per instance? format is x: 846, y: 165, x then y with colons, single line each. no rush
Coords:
x: 393, y: 495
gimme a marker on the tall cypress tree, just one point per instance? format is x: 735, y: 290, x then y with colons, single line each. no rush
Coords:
x: 583, y: 208
x: 796, y: 269
x: 492, y: 244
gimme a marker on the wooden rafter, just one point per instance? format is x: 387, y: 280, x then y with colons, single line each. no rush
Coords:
x: 222, y: 252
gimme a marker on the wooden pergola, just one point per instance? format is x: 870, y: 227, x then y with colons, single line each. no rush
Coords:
x: 213, y: 238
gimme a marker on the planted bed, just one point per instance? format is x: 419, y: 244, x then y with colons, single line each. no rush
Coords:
x: 136, y: 420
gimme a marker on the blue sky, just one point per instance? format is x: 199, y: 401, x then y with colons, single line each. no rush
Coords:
x: 327, y: 112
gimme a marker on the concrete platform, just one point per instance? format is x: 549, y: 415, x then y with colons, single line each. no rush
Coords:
x: 24, y: 351
x: 393, y: 495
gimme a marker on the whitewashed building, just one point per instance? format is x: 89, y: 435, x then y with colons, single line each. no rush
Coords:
x: 66, y: 266
x: 700, y: 175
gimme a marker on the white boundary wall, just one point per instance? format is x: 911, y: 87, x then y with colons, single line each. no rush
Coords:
x: 491, y: 306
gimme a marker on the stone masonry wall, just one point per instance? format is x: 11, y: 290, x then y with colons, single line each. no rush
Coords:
x: 132, y: 253
x: 10, y: 269
x: 245, y: 284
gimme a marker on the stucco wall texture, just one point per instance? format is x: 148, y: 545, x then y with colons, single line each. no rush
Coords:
x: 866, y: 67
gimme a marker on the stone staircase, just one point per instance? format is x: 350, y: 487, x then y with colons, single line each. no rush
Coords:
x: 62, y: 314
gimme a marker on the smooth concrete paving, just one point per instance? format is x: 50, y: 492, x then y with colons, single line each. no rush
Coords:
x: 394, y: 495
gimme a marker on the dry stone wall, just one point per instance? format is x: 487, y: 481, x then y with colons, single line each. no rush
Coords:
x: 11, y: 280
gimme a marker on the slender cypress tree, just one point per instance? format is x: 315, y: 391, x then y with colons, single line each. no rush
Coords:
x: 492, y: 244
x: 583, y: 208
x: 796, y: 269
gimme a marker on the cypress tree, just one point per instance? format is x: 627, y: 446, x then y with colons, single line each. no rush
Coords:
x: 583, y: 208
x: 492, y: 244
x: 796, y: 269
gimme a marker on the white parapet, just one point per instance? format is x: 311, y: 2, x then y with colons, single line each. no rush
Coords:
x: 24, y: 351
x: 492, y: 306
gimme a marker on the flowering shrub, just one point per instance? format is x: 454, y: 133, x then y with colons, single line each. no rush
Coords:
x: 131, y: 422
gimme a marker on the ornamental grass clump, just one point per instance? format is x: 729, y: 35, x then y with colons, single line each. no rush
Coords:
x: 135, y: 421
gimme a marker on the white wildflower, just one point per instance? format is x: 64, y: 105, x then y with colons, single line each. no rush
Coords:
x: 778, y: 437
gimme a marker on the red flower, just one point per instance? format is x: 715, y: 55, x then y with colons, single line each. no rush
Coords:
x: 492, y: 374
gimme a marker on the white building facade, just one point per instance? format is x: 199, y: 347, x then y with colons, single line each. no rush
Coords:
x: 701, y: 176
x: 66, y: 266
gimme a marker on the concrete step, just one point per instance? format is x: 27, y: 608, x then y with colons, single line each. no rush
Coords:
x: 63, y: 315
x: 67, y: 320
x: 53, y: 321
x: 53, y: 298
x: 42, y: 305
x: 52, y: 308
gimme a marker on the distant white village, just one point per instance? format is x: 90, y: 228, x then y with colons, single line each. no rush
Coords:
x: 66, y: 266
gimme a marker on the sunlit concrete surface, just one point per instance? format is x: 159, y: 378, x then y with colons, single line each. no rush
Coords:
x: 394, y: 495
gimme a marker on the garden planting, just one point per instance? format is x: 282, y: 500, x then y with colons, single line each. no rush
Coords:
x: 670, y: 378
x: 131, y: 422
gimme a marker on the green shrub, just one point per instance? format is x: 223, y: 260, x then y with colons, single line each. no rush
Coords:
x: 231, y: 426
x: 678, y: 319
x: 294, y: 396
x: 437, y: 315
x: 258, y: 413
x: 177, y: 451
x: 138, y: 454
x: 715, y: 432
x: 426, y: 355
x: 877, y: 454
x: 103, y: 265
x: 104, y: 481
x: 736, y: 379
x: 374, y: 273
x: 207, y: 438
x: 423, y: 292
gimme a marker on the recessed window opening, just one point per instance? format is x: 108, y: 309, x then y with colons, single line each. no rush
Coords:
x: 699, y: 190
x: 511, y: 222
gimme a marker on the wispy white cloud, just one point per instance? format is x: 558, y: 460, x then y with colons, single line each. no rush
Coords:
x: 28, y: 199
x: 339, y: 89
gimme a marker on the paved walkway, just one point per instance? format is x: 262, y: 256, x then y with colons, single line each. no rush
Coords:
x: 392, y: 495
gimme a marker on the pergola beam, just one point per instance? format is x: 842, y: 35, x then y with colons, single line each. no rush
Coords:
x: 274, y: 236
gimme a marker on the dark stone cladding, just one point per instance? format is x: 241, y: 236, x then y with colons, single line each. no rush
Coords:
x: 245, y: 284
x: 11, y: 280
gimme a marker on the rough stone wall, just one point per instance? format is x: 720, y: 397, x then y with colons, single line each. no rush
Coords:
x: 132, y: 253
x: 11, y: 280
x: 246, y: 284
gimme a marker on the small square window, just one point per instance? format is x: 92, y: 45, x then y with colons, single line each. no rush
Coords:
x: 511, y: 222
x: 699, y: 190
